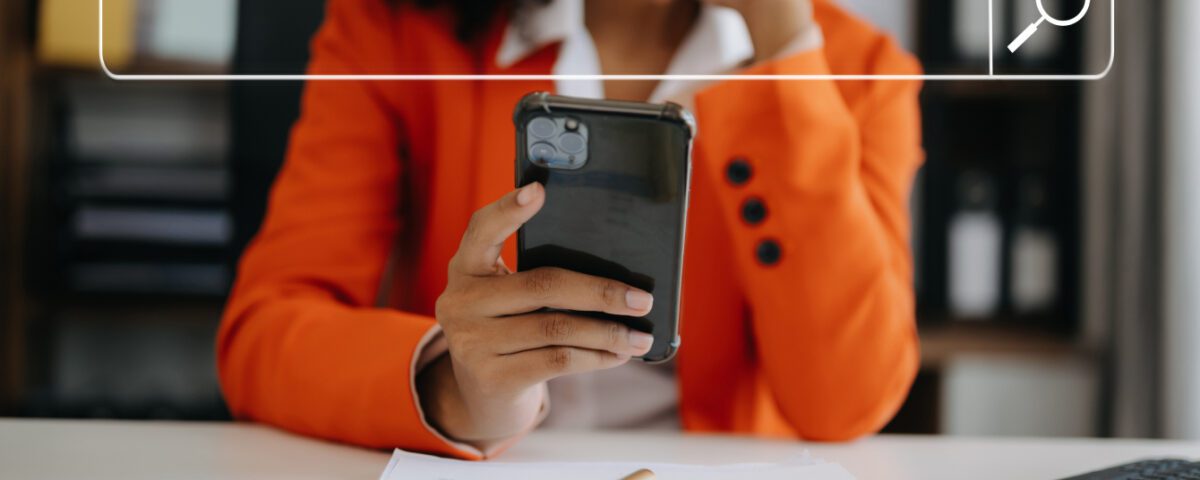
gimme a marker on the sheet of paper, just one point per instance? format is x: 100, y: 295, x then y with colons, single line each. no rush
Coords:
x: 412, y: 466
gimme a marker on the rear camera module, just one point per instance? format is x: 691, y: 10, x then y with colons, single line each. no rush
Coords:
x: 557, y: 142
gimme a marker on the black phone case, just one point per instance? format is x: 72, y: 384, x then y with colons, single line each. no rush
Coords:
x: 622, y: 215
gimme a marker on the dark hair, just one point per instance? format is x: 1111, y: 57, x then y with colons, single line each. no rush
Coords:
x: 472, y: 16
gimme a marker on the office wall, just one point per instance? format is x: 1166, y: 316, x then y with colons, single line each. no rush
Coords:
x: 892, y: 16
x: 1020, y: 396
x: 1181, y: 333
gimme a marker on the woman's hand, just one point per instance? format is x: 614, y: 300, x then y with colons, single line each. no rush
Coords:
x: 772, y: 23
x: 489, y: 386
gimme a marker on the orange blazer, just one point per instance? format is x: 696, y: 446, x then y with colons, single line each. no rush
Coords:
x: 381, y: 178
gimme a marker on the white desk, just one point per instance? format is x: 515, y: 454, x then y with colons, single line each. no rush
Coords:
x: 44, y: 449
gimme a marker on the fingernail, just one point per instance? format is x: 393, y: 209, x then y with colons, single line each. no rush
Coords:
x: 638, y: 300
x: 525, y: 196
x: 640, y: 341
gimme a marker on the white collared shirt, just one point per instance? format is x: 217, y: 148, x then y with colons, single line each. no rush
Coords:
x: 718, y: 43
x: 636, y: 395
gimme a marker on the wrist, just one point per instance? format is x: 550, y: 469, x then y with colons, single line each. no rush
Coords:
x: 441, y: 400
x: 475, y: 419
x: 774, y: 24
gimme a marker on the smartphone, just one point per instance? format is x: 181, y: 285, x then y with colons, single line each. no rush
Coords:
x: 617, y: 176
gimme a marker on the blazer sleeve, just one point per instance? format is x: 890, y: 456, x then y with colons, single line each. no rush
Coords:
x: 832, y: 308
x: 301, y: 345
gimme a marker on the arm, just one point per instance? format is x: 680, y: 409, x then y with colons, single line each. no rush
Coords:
x: 833, y: 319
x: 300, y: 345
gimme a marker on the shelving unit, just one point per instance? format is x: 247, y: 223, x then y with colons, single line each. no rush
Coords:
x: 130, y: 239
x: 148, y: 216
x: 1006, y: 133
x: 133, y: 238
x: 1006, y: 139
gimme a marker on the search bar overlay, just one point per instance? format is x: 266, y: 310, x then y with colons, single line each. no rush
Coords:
x: 953, y: 40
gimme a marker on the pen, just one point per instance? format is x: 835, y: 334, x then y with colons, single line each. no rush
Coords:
x: 643, y: 474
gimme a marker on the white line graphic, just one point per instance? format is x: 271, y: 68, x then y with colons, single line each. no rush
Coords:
x: 991, y: 39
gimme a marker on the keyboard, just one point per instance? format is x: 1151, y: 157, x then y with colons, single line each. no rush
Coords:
x: 1161, y: 469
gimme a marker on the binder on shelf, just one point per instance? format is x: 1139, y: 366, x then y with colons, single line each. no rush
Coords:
x: 1034, y: 252
x: 68, y: 33
x: 150, y: 124
x: 971, y: 28
x: 975, y: 240
x: 153, y: 225
x: 150, y: 182
x: 149, y: 278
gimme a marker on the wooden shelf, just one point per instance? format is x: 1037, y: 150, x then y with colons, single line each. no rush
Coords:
x: 150, y: 65
x: 941, y: 343
x: 145, y: 65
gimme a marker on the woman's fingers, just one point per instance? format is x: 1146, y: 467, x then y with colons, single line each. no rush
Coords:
x: 550, y: 287
x: 533, y: 366
x: 538, y: 330
x: 491, y: 225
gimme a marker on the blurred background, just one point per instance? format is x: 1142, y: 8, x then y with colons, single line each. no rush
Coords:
x: 1057, y: 232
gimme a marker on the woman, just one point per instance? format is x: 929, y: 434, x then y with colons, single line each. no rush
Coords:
x: 375, y: 307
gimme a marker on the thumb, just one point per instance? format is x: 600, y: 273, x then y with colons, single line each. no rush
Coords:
x: 479, y: 252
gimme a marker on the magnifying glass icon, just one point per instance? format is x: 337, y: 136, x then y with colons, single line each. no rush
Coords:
x: 1046, y: 17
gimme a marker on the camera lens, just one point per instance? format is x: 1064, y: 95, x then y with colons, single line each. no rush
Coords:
x: 542, y: 127
x: 542, y: 152
x: 572, y: 143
